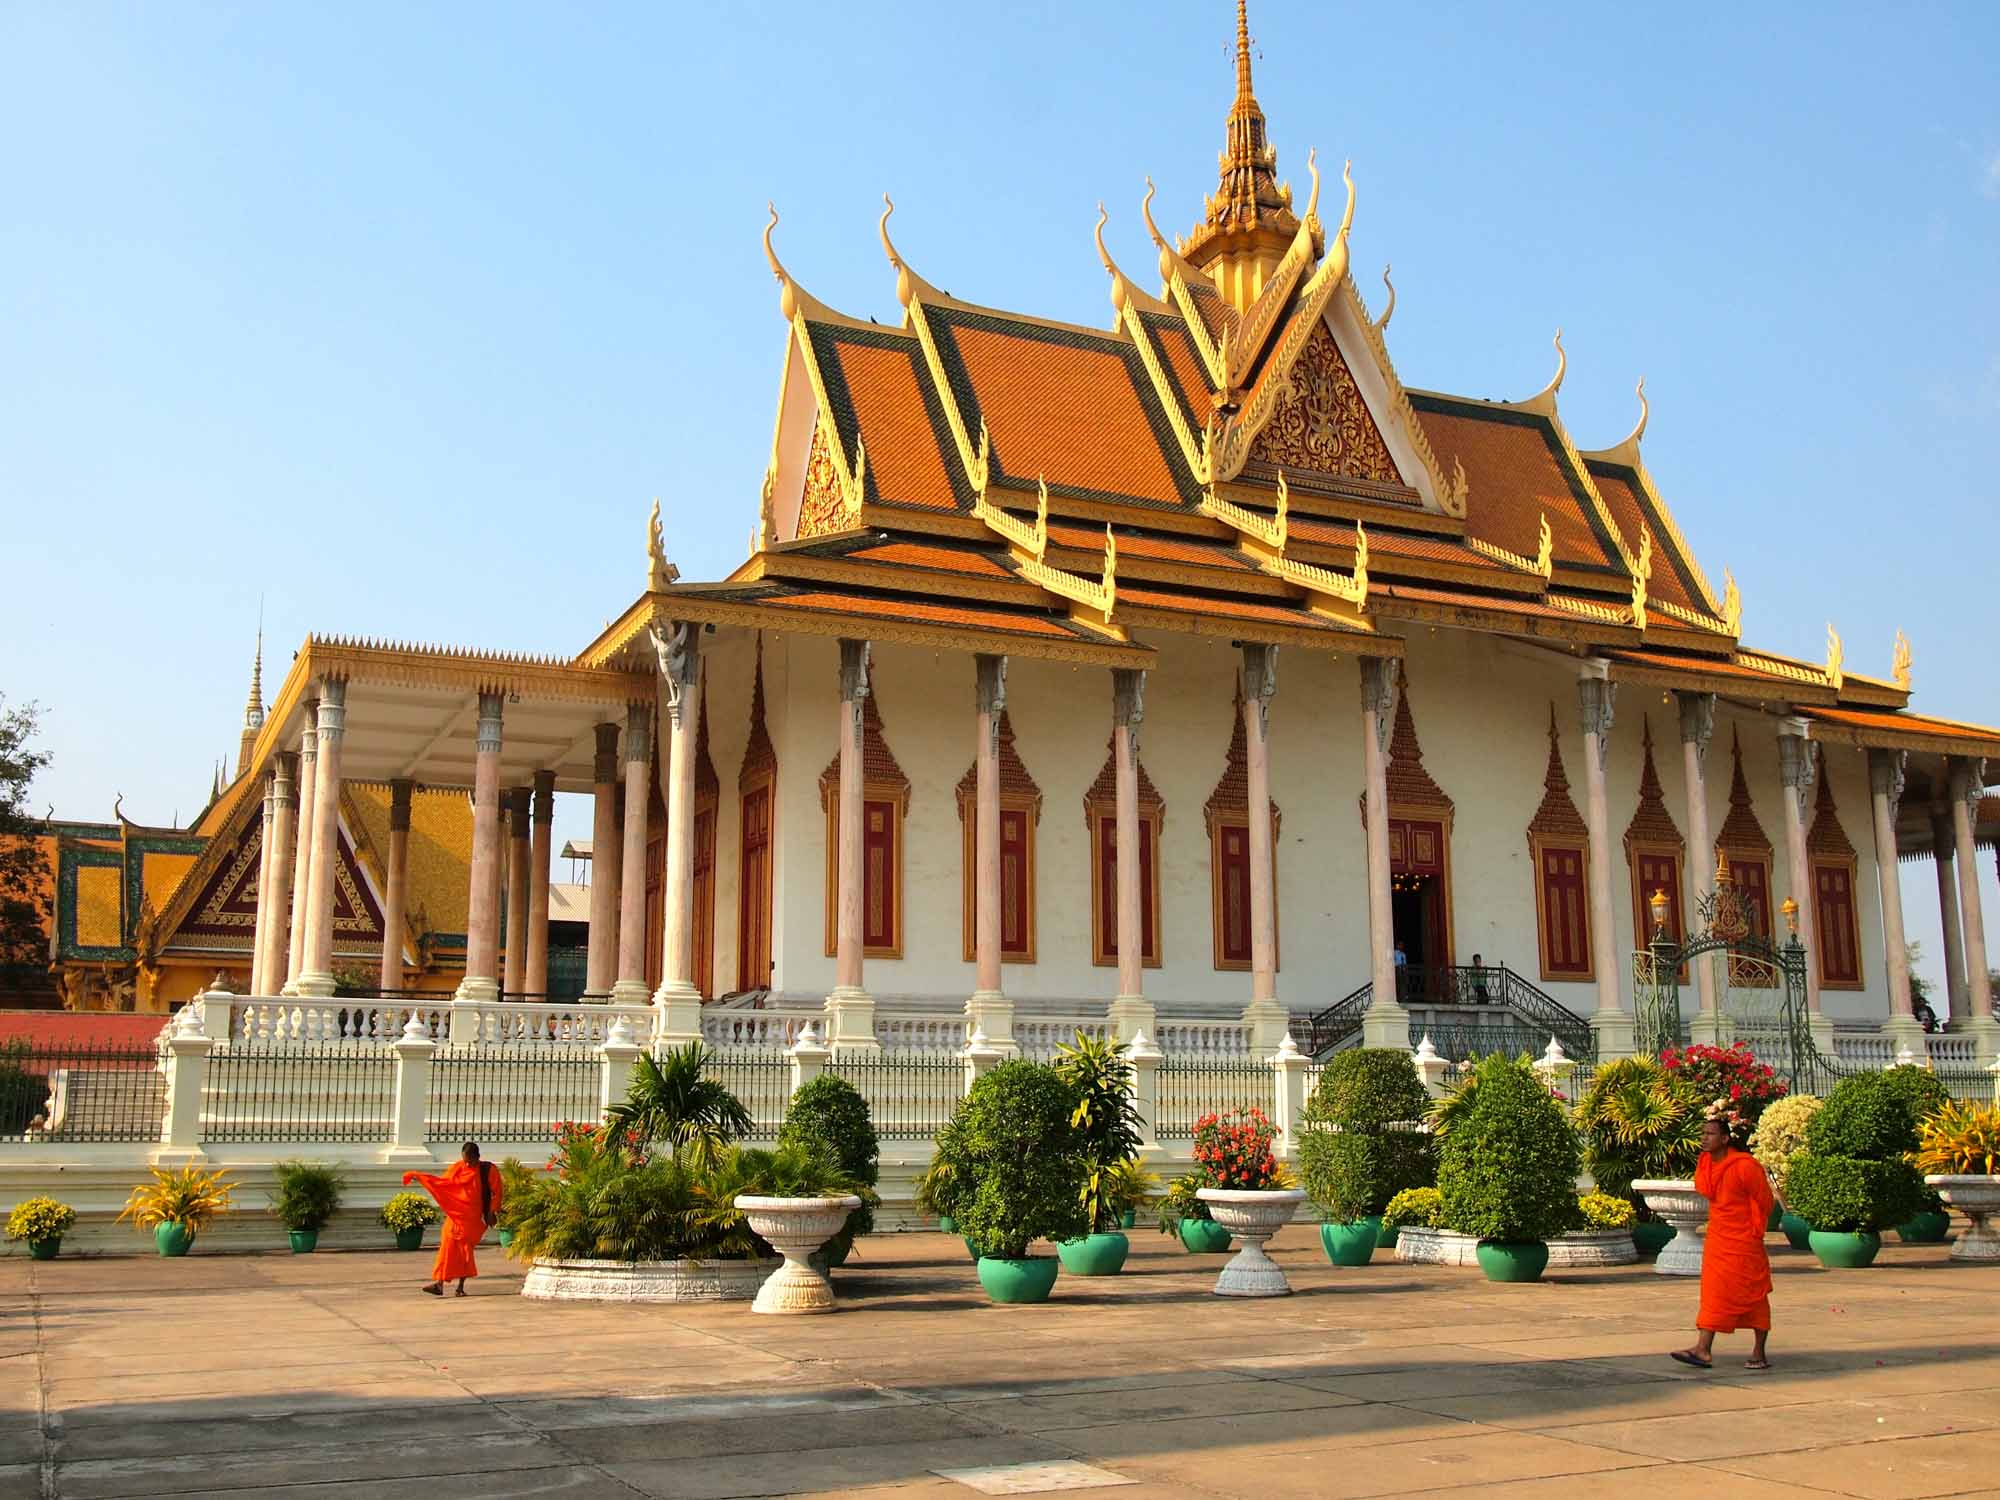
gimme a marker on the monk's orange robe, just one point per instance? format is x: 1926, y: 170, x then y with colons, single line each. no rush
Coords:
x: 457, y: 1194
x: 1735, y: 1271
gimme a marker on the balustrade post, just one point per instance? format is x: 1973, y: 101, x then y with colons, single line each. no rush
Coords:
x: 1289, y: 1067
x: 1144, y: 1060
x: 618, y: 1054
x: 413, y: 1049
x: 1430, y: 1067
x: 215, y: 1007
x: 187, y: 1077
x: 981, y: 1057
x: 809, y: 1057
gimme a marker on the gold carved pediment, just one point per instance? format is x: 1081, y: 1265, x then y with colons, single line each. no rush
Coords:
x: 1322, y: 424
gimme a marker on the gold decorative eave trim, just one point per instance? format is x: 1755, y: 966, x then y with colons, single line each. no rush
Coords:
x: 1785, y: 667
x: 1699, y: 619
x: 1163, y: 387
x: 1360, y: 639
x: 1692, y: 678
x: 1925, y: 741
x: 904, y: 577
x: 1541, y: 565
x: 1388, y: 605
x: 1591, y: 609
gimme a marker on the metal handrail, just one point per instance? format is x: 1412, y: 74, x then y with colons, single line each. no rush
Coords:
x: 1457, y: 984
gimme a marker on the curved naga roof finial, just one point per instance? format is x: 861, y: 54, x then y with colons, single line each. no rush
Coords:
x: 1547, y: 394
x: 908, y: 283
x: 1645, y: 411
x: 1170, y: 258
x: 788, y: 301
x: 1900, y: 673
x: 1382, y: 323
x: 1312, y: 203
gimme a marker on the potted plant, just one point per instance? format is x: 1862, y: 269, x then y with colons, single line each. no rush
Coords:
x: 1854, y: 1179
x: 405, y: 1216
x: 1779, y: 1138
x: 1362, y: 1144
x: 306, y: 1198
x: 1921, y: 1095
x: 177, y: 1205
x: 801, y: 1201
x: 1184, y: 1216
x: 515, y: 1176
x: 1641, y: 1130
x: 829, y: 1111
x: 41, y: 1222
x: 1249, y: 1193
x: 1958, y: 1150
x: 1599, y: 1235
x: 1110, y: 1132
x: 1016, y: 1172
x: 670, y: 1101
x: 931, y: 1189
x: 1416, y: 1217
x: 1507, y: 1170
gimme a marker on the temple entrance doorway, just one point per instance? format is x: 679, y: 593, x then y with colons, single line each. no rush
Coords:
x: 1419, y: 906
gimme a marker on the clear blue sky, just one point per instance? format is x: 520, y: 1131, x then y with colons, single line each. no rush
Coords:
x: 400, y: 316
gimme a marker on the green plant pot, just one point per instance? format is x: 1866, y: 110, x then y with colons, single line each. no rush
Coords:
x: 1839, y: 1251
x: 1929, y: 1228
x: 1777, y: 1219
x: 410, y: 1239
x: 506, y: 1238
x: 1350, y: 1244
x: 1093, y: 1255
x: 303, y: 1240
x: 1651, y: 1236
x: 1513, y: 1260
x: 971, y: 1249
x: 1029, y: 1279
x: 1797, y: 1230
x: 1386, y: 1240
x: 1129, y: 1219
x: 44, y: 1249
x: 947, y: 1224
x: 172, y: 1238
x: 1204, y: 1237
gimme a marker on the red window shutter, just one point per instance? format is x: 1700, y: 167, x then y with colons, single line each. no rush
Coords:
x: 1565, y: 912
x: 1233, y: 876
x: 1014, y: 893
x: 753, y: 911
x: 1834, y: 923
x: 881, y: 870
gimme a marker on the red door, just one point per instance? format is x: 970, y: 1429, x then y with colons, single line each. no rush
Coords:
x: 753, y: 896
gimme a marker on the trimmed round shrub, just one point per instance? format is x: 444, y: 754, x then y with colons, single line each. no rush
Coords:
x: 1368, y: 1089
x: 1873, y: 1116
x: 1415, y: 1208
x: 829, y: 1114
x: 1846, y: 1193
x: 1780, y: 1136
x: 1358, y: 1148
x: 1508, y: 1169
x: 1603, y: 1211
x: 1015, y: 1163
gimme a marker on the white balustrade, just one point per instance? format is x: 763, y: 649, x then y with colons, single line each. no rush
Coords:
x: 1204, y: 1038
x: 1868, y: 1049
x: 288, y: 1022
x: 1956, y: 1049
x: 501, y: 1022
x: 753, y: 1029
x: 939, y: 1034
x: 1040, y: 1036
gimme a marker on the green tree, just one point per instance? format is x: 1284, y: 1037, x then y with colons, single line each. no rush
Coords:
x: 669, y: 1101
x: 24, y: 869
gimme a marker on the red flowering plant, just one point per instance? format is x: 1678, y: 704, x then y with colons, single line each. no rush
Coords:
x: 570, y: 1135
x: 1731, y: 1076
x: 1233, y: 1150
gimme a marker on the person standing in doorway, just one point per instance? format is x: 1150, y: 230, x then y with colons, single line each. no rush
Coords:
x: 469, y: 1194
x: 1735, y: 1271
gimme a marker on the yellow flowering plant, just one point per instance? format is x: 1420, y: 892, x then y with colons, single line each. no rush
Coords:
x: 1959, y: 1140
x: 39, y: 1219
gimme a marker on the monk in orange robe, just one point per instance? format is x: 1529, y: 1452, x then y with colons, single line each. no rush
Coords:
x: 469, y: 1194
x: 1735, y: 1271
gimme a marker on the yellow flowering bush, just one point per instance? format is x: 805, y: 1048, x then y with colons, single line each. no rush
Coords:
x: 38, y: 1219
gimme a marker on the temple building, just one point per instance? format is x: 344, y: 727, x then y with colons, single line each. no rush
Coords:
x: 1190, y: 664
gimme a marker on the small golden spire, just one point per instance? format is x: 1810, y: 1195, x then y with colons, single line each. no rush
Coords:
x: 1545, y: 550
x: 1732, y: 604
x: 1901, y: 671
x: 1836, y: 657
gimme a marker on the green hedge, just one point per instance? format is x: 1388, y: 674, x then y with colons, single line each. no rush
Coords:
x: 1508, y: 1167
x: 1846, y: 1193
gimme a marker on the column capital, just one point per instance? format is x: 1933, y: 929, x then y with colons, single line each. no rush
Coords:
x: 399, y: 805
x: 638, y: 732
x: 1798, y: 767
x: 1128, y: 702
x: 990, y: 683
x: 1697, y: 714
x: 285, y: 777
x: 1597, y: 702
x: 1886, y: 770
x: 604, y: 769
x: 332, y: 709
x: 677, y: 647
x: 545, y: 796
x: 1381, y: 677
x: 1260, y: 680
x: 856, y: 660
x: 489, y: 722
x: 517, y: 812
x: 1968, y: 783
x: 309, y: 734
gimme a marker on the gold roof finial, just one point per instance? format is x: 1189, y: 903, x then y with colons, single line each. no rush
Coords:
x: 659, y: 572
x: 1545, y: 550
x: 1547, y: 394
x: 909, y: 285
x: 1836, y: 656
x: 1382, y: 323
x: 1248, y: 211
x: 1900, y: 673
x: 1243, y: 52
x: 253, y: 710
x: 1732, y: 604
x: 1645, y: 411
x: 788, y: 301
x: 1642, y: 574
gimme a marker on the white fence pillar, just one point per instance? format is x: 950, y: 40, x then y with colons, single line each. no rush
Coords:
x: 809, y: 1057
x: 1430, y: 1067
x: 981, y: 1057
x: 1289, y: 1067
x: 413, y: 1051
x: 215, y: 1009
x: 187, y: 1077
x: 618, y: 1054
x: 1144, y: 1059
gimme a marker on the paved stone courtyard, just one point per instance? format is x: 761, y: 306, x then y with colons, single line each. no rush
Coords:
x: 330, y: 1376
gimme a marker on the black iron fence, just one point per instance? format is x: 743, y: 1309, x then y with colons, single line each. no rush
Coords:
x: 519, y: 1094
x: 910, y: 1096
x: 1196, y: 1086
x: 761, y: 1081
x: 302, y: 1093
x: 81, y: 1091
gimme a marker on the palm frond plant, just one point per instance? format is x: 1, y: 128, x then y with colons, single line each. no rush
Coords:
x: 186, y: 1196
x: 670, y: 1101
x: 1106, y: 1119
x: 307, y: 1195
x: 1638, y: 1120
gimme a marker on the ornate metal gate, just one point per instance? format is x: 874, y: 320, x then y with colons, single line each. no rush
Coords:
x: 1760, y: 985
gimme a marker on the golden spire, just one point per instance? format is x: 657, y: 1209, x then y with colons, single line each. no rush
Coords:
x: 253, y: 709
x: 1901, y: 671
x: 1249, y: 212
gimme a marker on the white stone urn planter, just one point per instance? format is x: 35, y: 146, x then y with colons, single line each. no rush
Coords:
x: 1435, y: 1247
x: 647, y: 1280
x: 796, y: 1227
x: 1592, y: 1247
x: 1675, y: 1200
x: 1252, y: 1216
x: 1978, y: 1198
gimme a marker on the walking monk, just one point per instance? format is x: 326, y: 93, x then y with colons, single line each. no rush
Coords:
x: 469, y: 1194
x: 1735, y: 1271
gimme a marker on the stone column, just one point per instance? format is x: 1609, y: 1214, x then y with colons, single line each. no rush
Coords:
x: 1386, y: 1023
x: 1799, y: 771
x: 989, y: 1009
x: 1968, y: 784
x: 395, y: 894
x: 1264, y: 1016
x: 1613, y: 1024
x: 482, y: 921
x: 537, y: 975
x: 284, y: 825
x: 631, y: 986
x: 601, y: 961
x: 1885, y: 785
x: 317, y: 980
x: 1130, y: 1013
x: 260, y: 941
x: 678, y: 1001
x: 414, y: 1050
x: 1944, y: 848
x: 515, y: 972
x: 1697, y: 716
x: 850, y: 1009
x: 308, y: 763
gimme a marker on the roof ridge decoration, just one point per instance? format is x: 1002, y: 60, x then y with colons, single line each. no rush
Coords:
x: 1626, y: 454
x: 1180, y: 280
x: 660, y: 574
x: 1029, y: 546
x: 1642, y: 575
x: 1741, y: 830
x: 1653, y: 823
x: 1900, y: 672
x: 1732, y: 603
x: 1557, y: 816
x: 1452, y: 489
x: 1124, y: 291
x: 912, y: 291
x: 1590, y: 609
x: 1244, y: 340
x: 799, y: 308
x: 1826, y: 836
x: 1263, y: 542
x: 1381, y: 324
x: 1836, y: 657
x: 1542, y: 563
x: 1249, y: 204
